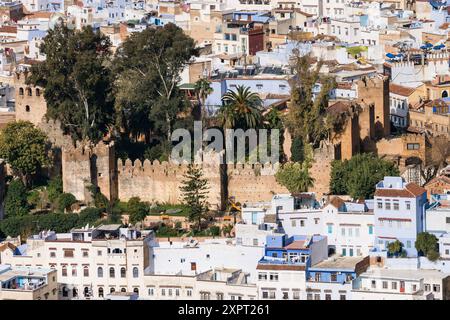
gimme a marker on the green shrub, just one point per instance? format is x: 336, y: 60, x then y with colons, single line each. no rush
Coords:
x: 359, y: 175
x: 214, y: 231
x: 433, y: 255
x: 16, y: 203
x: 426, y: 243
x: 89, y: 216
x: 65, y: 201
x: 54, y: 189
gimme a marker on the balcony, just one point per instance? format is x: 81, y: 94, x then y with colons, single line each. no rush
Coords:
x: 284, y: 261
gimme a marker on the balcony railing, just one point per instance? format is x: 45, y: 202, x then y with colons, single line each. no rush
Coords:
x: 282, y: 261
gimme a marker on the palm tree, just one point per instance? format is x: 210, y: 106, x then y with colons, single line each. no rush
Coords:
x: 203, y: 90
x: 241, y: 108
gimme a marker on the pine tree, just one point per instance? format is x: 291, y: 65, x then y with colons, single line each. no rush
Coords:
x: 195, y: 189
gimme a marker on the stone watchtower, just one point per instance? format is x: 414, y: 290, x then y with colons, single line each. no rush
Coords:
x: 87, y: 165
x: 30, y: 103
x: 375, y: 91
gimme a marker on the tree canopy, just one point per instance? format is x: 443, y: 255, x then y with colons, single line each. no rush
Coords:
x: 137, y: 210
x: 25, y: 148
x: 295, y: 177
x: 147, y: 69
x: 307, y: 119
x: 241, y: 109
x: 203, y: 89
x: 427, y: 245
x: 359, y: 175
x: 16, y: 199
x: 77, y: 81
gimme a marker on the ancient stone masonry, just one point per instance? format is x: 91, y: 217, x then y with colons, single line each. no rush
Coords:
x: 83, y: 166
x: 376, y: 91
x: 160, y: 182
x: 321, y: 168
x: 30, y: 102
x: 406, y: 150
x: 252, y: 183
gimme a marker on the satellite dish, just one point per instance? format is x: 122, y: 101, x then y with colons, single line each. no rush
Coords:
x: 58, y: 19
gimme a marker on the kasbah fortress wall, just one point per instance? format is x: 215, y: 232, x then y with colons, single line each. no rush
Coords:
x: 153, y: 181
x: 160, y: 182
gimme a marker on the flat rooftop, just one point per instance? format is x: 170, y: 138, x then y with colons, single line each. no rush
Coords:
x: 338, y: 263
x: 403, y: 274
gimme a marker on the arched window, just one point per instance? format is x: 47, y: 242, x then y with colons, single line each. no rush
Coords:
x: 38, y: 92
x: 135, y: 272
x: 100, y: 292
x: 112, y: 272
x: 74, y: 292
x: 123, y: 272
x: 29, y: 92
x: 100, y: 272
x: 136, y: 290
x: 65, y: 292
x: 117, y: 250
x: 444, y: 94
x: 27, y: 108
x: 21, y: 91
x: 123, y: 290
x: 111, y: 290
x: 86, y: 271
x: 86, y: 291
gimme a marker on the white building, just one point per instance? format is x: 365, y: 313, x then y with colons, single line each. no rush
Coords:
x: 399, y: 97
x: 348, y: 226
x: 282, y: 270
x: 399, y: 210
x: 332, y: 279
x: 90, y: 262
x: 193, y: 257
x: 388, y: 284
x: 214, y: 284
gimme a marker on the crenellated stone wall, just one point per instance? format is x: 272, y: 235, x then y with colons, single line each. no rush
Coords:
x: 252, y: 183
x: 321, y: 168
x: 86, y: 165
x: 76, y: 171
x: 161, y: 182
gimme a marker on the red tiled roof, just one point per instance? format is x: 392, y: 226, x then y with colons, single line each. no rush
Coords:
x: 296, y: 245
x: 336, y: 202
x: 280, y: 267
x: 8, y: 29
x: 344, y: 85
x: 411, y: 190
x: 444, y: 26
x: 394, y: 219
x: 443, y: 179
x: 338, y: 107
x: 400, y: 90
x: 39, y: 14
x: 7, y: 245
